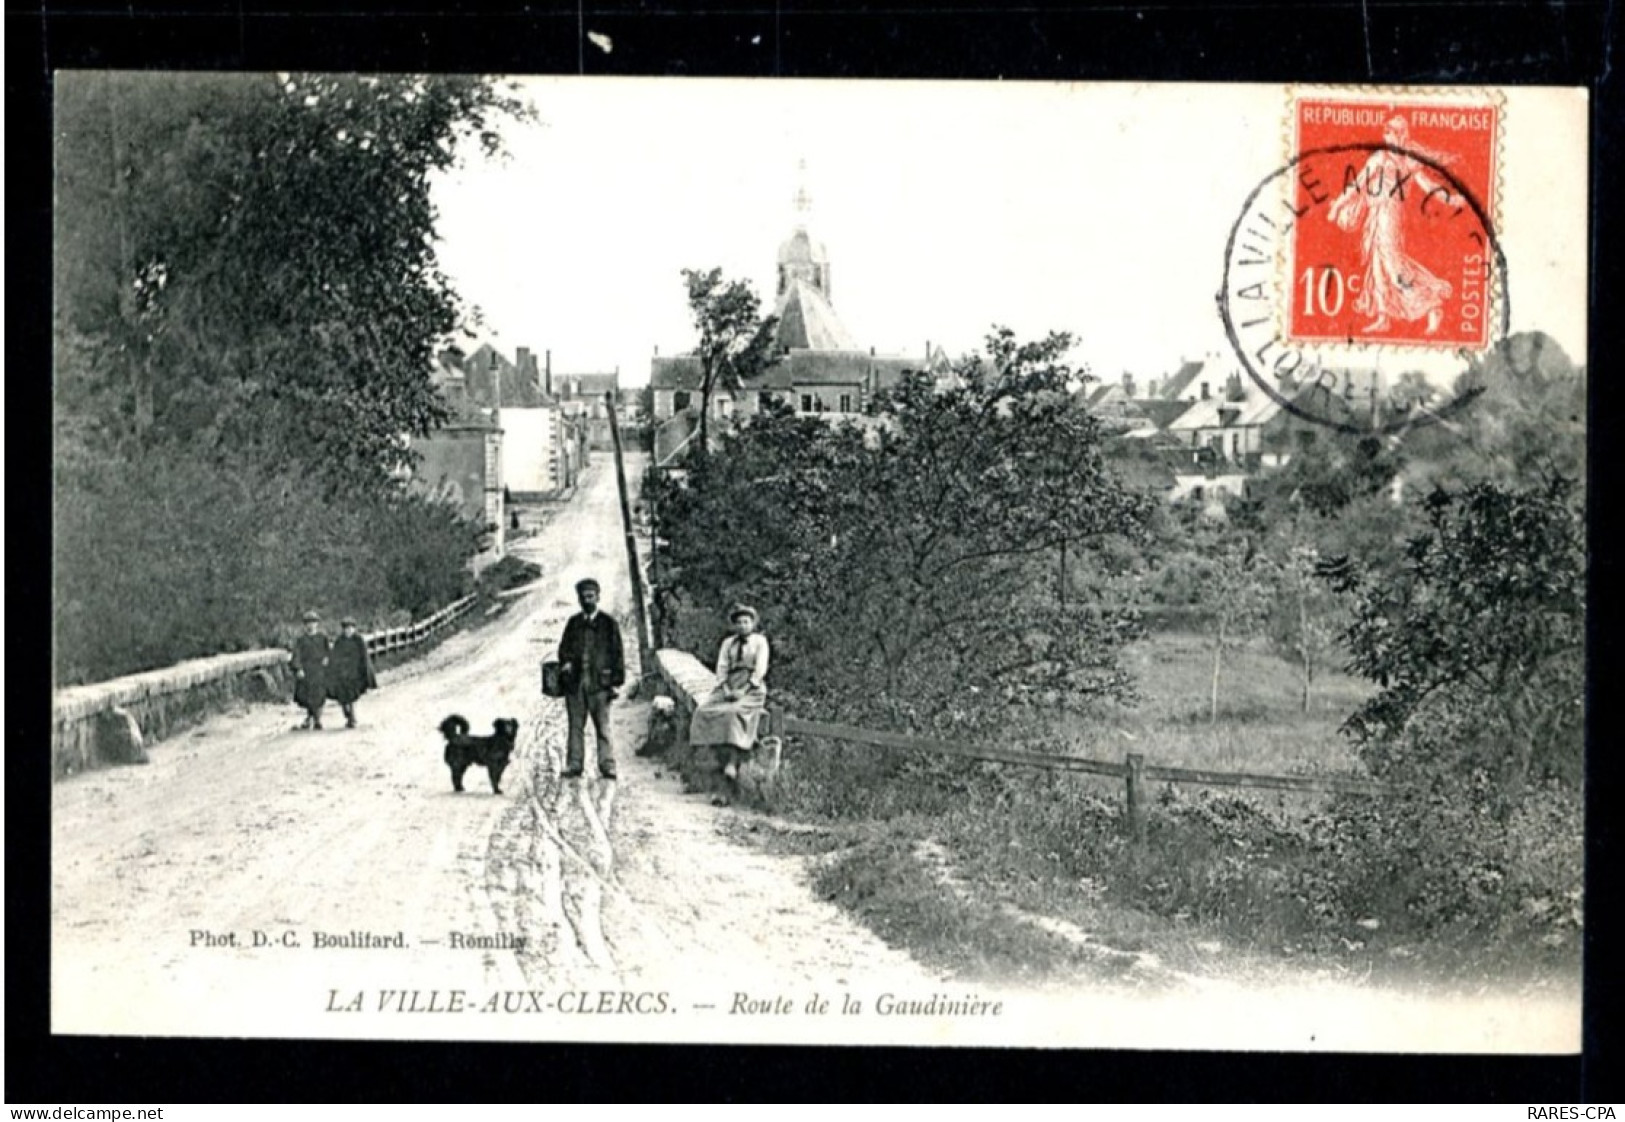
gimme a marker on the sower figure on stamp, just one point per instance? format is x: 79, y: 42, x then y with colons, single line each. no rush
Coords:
x: 728, y: 719
x: 350, y: 672
x: 311, y: 653
x: 591, y: 669
x: 1395, y: 285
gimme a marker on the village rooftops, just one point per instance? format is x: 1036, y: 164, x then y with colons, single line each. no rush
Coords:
x: 594, y: 385
x: 1179, y: 381
x: 1218, y: 411
x: 797, y: 368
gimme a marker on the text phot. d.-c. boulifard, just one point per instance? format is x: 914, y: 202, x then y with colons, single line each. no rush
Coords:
x: 592, y: 668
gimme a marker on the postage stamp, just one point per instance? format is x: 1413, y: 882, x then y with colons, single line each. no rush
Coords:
x: 1375, y: 237
x: 1388, y: 249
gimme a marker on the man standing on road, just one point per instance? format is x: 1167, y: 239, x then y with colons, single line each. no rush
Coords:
x: 591, y: 669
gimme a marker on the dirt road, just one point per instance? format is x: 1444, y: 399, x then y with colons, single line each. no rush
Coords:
x: 189, y: 895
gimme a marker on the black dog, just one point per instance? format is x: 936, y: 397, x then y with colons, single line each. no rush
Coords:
x: 490, y: 752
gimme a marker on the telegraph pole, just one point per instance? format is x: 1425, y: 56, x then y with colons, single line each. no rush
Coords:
x: 646, y: 654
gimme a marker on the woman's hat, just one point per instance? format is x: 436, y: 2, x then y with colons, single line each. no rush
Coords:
x: 312, y: 617
x: 743, y: 610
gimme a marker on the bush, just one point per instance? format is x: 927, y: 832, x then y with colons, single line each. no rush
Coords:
x: 179, y: 555
x: 903, y: 562
x: 510, y: 572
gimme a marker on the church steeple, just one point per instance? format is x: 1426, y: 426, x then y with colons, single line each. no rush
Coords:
x: 800, y: 257
x: 802, y: 201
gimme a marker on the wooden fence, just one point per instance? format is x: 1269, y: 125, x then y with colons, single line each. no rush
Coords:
x: 411, y: 634
x: 1133, y: 770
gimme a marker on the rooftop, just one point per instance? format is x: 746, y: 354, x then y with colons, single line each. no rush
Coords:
x: 807, y: 321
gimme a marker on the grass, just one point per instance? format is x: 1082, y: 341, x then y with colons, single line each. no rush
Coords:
x: 1222, y: 867
x: 1261, y: 724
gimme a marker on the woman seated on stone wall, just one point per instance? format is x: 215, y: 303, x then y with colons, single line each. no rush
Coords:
x: 727, y: 720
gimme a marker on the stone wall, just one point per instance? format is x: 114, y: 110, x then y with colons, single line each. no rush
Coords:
x: 112, y: 722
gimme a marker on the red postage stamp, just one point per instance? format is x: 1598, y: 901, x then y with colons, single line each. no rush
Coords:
x: 1395, y: 203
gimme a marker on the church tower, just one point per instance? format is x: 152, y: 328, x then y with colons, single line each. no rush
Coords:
x: 800, y: 257
x: 807, y: 319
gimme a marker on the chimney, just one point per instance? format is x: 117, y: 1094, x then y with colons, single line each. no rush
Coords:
x: 1128, y: 384
x: 527, y: 368
x: 547, y: 377
x: 1348, y: 385
x: 871, y: 352
x: 1204, y: 391
x: 1151, y: 388
x: 1232, y: 387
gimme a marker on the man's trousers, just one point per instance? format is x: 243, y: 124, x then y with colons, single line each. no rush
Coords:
x: 579, y: 708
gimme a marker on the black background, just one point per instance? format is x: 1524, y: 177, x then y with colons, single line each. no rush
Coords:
x: 1351, y: 42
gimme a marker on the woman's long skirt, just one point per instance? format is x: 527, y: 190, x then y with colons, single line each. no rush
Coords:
x: 719, y: 721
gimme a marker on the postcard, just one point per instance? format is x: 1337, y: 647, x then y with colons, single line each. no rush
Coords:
x: 819, y: 562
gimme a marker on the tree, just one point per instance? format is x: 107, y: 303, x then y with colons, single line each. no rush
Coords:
x: 1478, y: 643
x: 1305, y: 617
x: 1238, y: 585
x: 246, y: 309
x: 247, y: 261
x: 905, y: 565
x: 736, y: 343
x: 1526, y: 421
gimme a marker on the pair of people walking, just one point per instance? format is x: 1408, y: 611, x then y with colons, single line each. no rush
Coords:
x: 323, y: 668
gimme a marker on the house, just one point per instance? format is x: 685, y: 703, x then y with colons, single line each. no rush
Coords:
x: 460, y: 464
x: 584, y: 396
x: 492, y: 381
x: 1229, y: 436
x: 545, y: 441
x: 1123, y: 406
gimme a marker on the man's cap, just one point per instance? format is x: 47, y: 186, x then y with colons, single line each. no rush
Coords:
x: 312, y: 617
x: 743, y: 610
x: 347, y: 621
x: 583, y: 585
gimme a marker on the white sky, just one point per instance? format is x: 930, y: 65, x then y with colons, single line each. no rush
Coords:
x: 945, y: 208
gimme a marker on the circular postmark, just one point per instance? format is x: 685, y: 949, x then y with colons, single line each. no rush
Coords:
x: 1393, y: 250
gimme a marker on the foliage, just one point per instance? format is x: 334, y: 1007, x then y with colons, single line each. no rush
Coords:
x: 1329, y: 476
x: 247, y: 262
x: 901, y: 563
x: 1220, y: 582
x: 1306, y: 615
x: 1478, y: 644
x: 1526, y: 421
x: 736, y: 342
x: 180, y: 555
x: 1238, y: 585
x: 510, y: 572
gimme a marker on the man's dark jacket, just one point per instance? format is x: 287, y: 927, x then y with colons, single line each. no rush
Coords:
x: 310, y: 655
x: 349, y: 671
x: 596, y: 643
